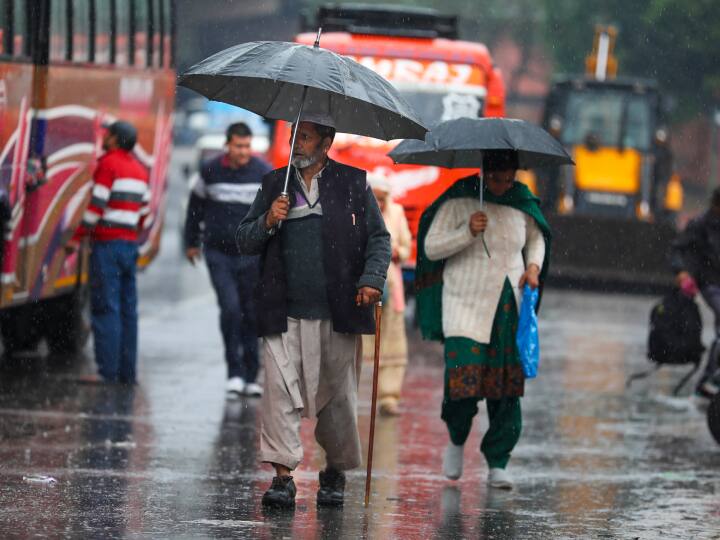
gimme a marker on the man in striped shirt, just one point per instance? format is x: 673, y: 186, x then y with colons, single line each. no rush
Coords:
x: 221, y: 196
x: 119, y: 205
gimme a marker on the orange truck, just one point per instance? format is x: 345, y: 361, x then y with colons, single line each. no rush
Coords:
x: 442, y: 77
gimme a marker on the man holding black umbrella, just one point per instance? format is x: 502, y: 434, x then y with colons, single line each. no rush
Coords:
x: 324, y: 268
x: 324, y: 256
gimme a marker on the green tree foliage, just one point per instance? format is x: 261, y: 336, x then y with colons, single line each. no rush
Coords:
x: 676, y: 43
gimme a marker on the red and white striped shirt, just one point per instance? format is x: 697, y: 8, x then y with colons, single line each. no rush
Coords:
x: 120, y: 199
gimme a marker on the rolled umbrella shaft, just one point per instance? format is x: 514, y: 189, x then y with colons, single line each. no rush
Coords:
x: 297, y: 123
x: 482, y: 192
x: 292, y: 142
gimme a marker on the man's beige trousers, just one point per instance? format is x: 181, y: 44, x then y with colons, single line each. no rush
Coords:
x: 310, y: 371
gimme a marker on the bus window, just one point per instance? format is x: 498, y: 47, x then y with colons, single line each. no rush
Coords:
x: 4, y: 33
x: 81, y: 31
x: 167, y: 59
x: 158, y: 33
x: 122, y: 32
x: 155, y: 32
x: 103, y: 32
x: 20, y: 28
x: 59, y: 49
x: 141, y: 23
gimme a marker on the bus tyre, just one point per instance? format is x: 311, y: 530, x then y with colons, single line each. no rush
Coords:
x: 67, y: 322
x: 713, y: 417
x: 20, y: 329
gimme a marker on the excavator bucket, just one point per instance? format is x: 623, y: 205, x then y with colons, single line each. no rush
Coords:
x: 607, y: 253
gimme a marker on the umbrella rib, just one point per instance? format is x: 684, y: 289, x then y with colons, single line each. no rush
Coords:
x: 280, y: 88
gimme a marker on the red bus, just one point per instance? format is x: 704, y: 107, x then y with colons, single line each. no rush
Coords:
x: 442, y: 77
x: 67, y: 66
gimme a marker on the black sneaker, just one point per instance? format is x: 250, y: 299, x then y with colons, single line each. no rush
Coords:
x: 332, y: 488
x: 281, y: 493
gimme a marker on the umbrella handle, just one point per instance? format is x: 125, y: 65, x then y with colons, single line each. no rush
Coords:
x: 482, y: 237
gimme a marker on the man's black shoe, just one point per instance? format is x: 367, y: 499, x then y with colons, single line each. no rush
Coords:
x: 332, y: 488
x: 281, y: 493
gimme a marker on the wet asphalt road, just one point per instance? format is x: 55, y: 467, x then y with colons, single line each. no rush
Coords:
x: 173, y: 459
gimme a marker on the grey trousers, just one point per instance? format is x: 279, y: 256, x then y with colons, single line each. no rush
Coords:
x: 310, y: 371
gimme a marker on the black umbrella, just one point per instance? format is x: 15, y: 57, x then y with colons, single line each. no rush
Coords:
x: 290, y: 81
x: 461, y: 143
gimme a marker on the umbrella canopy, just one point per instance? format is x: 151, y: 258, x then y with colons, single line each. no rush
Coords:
x: 278, y: 80
x: 460, y: 143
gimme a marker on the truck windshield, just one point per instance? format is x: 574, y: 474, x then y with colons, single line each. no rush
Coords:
x: 435, y: 103
x: 608, y: 118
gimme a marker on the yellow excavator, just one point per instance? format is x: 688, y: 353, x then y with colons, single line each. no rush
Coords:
x: 613, y: 214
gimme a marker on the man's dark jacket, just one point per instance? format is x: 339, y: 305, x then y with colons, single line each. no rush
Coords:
x: 220, y: 198
x: 697, y: 249
x: 355, y: 246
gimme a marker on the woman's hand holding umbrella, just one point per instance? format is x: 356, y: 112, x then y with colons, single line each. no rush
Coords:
x: 478, y: 223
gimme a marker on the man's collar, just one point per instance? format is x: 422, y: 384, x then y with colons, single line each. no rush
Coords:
x: 301, y: 179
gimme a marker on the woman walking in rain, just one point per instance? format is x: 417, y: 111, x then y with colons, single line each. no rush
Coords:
x: 393, y: 341
x: 473, y: 261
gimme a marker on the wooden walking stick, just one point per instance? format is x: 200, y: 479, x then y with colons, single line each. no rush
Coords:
x: 373, y: 407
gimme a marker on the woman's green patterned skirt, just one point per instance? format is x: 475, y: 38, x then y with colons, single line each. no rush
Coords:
x: 491, y: 371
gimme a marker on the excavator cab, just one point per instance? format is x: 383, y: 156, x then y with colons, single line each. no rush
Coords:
x: 613, y: 213
x: 610, y: 127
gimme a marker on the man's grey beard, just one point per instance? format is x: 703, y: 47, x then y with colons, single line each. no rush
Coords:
x: 302, y: 162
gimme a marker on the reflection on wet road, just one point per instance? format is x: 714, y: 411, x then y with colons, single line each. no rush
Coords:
x: 173, y: 459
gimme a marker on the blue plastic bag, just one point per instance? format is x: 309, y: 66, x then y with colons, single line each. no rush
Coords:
x: 527, y: 340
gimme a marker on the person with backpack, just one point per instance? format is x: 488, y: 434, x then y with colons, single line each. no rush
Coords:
x: 695, y: 259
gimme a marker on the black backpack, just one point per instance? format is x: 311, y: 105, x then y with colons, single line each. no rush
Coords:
x: 675, y: 331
